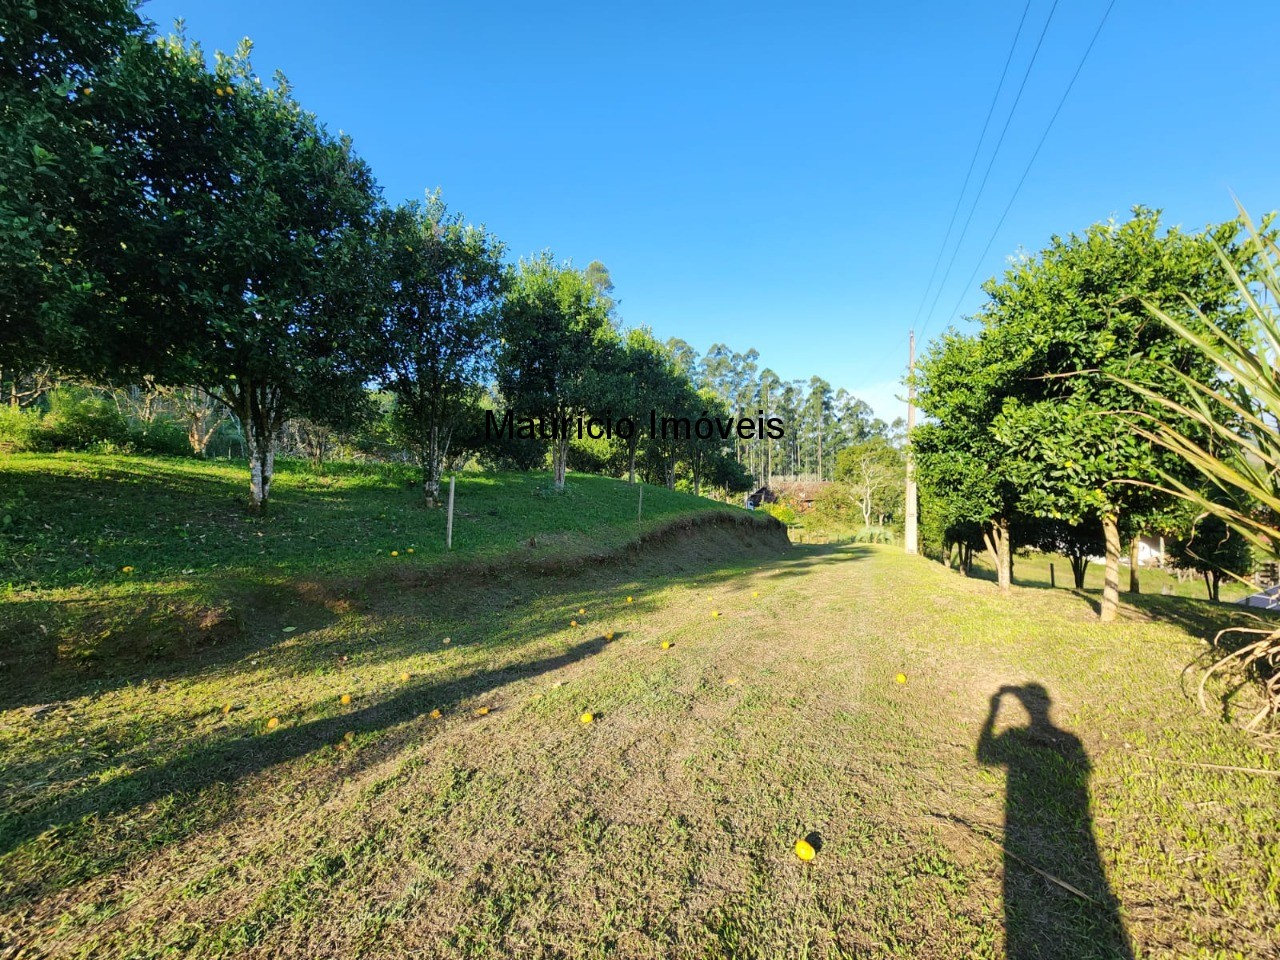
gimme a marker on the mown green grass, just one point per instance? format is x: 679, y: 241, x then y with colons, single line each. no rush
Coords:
x: 78, y: 519
x: 140, y: 820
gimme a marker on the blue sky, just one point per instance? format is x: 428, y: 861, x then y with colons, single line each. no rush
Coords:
x: 781, y: 177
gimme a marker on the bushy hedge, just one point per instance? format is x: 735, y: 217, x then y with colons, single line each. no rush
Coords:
x: 78, y: 419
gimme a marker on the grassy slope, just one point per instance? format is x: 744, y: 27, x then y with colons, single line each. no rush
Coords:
x: 141, y: 821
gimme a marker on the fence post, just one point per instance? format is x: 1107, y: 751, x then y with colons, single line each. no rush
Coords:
x: 1052, y: 581
x: 448, y: 529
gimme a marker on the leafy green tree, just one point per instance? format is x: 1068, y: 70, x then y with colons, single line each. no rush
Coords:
x: 1060, y: 324
x: 257, y: 242
x: 875, y: 473
x: 963, y: 471
x: 58, y: 164
x: 1077, y: 542
x: 557, y: 359
x: 1214, y: 550
x: 445, y: 280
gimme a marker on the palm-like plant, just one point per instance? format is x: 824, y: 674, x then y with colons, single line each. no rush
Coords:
x: 1228, y: 432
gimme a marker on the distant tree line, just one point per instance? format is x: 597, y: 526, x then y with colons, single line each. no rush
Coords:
x: 188, y: 258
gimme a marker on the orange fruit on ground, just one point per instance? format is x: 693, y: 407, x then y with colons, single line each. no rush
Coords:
x: 435, y: 714
x: 273, y: 723
x: 345, y: 699
x: 666, y: 644
x: 582, y: 610
x: 404, y: 676
x: 804, y: 850
x: 901, y: 678
x: 587, y: 717
x: 573, y: 623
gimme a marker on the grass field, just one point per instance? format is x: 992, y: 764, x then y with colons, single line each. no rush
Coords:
x: 152, y: 809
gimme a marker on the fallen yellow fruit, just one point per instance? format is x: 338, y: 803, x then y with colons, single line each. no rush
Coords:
x: 804, y: 850
x: 901, y: 678
x: 345, y: 699
x: 731, y: 681
x: 587, y: 717
x: 755, y: 593
x: 573, y: 623
x: 447, y: 640
x: 226, y: 709
x: 410, y: 550
x: 666, y: 644
x: 404, y: 676
x: 481, y: 711
x: 715, y: 613
x: 609, y: 635
x: 348, y: 736
x: 582, y: 610
x: 273, y: 723
x: 435, y: 714
x: 629, y: 599
x: 395, y: 553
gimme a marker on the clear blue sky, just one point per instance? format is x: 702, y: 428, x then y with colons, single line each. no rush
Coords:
x: 781, y: 176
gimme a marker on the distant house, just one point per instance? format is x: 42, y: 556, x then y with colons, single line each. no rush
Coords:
x: 800, y: 492
x: 760, y: 497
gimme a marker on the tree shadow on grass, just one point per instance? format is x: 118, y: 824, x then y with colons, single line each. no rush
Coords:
x: 1048, y: 831
x: 234, y: 758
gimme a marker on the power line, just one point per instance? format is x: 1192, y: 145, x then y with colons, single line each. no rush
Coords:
x: 1023, y: 179
x: 968, y: 174
x: 990, y: 163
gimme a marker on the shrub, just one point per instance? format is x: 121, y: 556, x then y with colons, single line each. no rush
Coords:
x: 78, y: 419
x: 21, y: 431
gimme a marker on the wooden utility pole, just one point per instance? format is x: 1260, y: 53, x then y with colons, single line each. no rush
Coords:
x: 910, y: 535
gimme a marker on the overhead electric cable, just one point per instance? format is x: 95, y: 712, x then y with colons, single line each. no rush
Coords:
x: 987, y: 173
x: 968, y: 174
x: 1023, y: 179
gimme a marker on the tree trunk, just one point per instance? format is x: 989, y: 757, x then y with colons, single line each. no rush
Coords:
x: 631, y: 465
x: 1111, y: 576
x: 1134, y: 585
x: 1078, y: 567
x: 560, y: 460
x: 996, y: 538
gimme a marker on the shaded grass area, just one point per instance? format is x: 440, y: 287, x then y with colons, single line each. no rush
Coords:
x: 1032, y: 570
x: 143, y: 818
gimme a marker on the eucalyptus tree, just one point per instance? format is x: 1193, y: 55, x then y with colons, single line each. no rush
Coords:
x: 443, y: 281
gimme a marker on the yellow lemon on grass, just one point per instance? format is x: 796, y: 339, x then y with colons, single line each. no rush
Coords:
x: 582, y: 610
x: 404, y: 676
x: 481, y: 711
x: 609, y: 635
x: 273, y: 723
x: 226, y: 709
x: 348, y: 736
x: 630, y: 599
x: 715, y: 613
x: 410, y: 550
x: 447, y: 640
x: 666, y: 644
x: 126, y: 569
x: 345, y: 699
x: 587, y: 717
x: 573, y: 623
x: 435, y: 714
x: 395, y: 553
x: 804, y: 850
x: 755, y: 593
x: 731, y: 681
x: 901, y: 678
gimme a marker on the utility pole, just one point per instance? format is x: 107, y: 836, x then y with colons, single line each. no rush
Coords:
x: 911, y: 537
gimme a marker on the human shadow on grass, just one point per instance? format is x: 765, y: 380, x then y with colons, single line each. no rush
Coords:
x: 229, y: 760
x: 1048, y: 832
